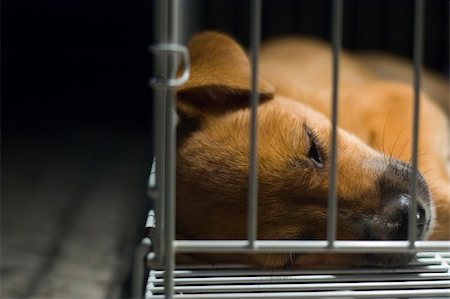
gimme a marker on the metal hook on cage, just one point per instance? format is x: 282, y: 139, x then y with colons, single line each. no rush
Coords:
x: 163, y: 80
x: 151, y: 259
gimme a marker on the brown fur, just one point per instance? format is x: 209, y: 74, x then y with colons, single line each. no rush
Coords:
x: 213, y: 146
x: 377, y: 111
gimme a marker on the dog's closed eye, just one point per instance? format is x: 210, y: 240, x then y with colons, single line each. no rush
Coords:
x: 315, y: 153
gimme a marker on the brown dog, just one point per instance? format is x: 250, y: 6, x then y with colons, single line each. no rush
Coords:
x: 294, y: 134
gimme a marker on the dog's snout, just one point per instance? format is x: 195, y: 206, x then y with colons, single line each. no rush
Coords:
x: 392, y: 219
x: 402, y: 207
x: 392, y: 222
x: 421, y: 216
x: 396, y: 216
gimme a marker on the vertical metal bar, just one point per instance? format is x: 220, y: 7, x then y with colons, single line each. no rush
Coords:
x: 160, y: 128
x: 255, y: 40
x: 169, y: 250
x: 332, y: 192
x: 159, y: 108
x: 418, y: 49
x: 169, y: 262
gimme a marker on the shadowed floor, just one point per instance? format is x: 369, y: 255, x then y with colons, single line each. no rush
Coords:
x: 73, y: 201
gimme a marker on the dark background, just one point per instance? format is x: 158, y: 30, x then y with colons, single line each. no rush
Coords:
x: 68, y: 62
x: 79, y: 68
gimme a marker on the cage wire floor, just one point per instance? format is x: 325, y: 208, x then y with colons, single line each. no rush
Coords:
x: 429, y: 277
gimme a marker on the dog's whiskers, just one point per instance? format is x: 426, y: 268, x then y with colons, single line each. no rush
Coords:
x: 396, y: 140
x: 402, y: 149
x: 385, y: 125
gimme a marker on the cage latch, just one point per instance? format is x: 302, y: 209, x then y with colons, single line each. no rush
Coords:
x: 175, y: 54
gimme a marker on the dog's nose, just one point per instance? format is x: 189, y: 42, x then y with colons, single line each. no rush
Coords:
x: 421, y: 216
x: 392, y: 223
x: 396, y: 214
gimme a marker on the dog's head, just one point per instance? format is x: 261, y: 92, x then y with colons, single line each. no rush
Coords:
x: 294, y: 162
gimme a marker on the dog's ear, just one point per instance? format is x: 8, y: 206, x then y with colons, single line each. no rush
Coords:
x: 220, y: 77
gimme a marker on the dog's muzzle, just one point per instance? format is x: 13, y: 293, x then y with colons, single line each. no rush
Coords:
x: 391, y: 221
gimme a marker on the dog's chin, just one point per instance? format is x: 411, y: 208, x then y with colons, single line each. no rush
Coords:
x: 390, y: 260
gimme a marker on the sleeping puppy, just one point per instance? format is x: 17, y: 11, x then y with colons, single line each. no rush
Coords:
x: 294, y: 157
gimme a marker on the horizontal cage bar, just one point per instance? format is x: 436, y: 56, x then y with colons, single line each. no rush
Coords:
x: 442, y: 293
x: 308, y: 246
x: 428, y: 277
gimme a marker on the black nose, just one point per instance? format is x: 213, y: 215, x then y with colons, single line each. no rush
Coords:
x: 421, y: 216
x: 395, y: 218
x: 390, y: 222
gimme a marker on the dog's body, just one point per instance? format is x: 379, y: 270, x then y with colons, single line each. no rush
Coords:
x: 373, y: 189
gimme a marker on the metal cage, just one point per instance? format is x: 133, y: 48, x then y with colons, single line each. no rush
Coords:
x: 155, y: 257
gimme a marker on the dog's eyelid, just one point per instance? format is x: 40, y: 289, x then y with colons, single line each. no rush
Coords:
x: 305, y: 126
x: 315, y: 151
x: 307, y: 130
x: 311, y: 134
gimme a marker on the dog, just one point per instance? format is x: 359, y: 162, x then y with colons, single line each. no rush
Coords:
x: 374, y: 151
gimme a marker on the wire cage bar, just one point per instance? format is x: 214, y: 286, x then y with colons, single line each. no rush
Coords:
x: 276, y: 246
x: 429, y: 277
x: 332, y: 191
x: 255, y: 29
x: 417, y: 61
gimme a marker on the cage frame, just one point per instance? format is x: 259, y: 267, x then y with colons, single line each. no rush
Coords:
x: 159, y: 248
